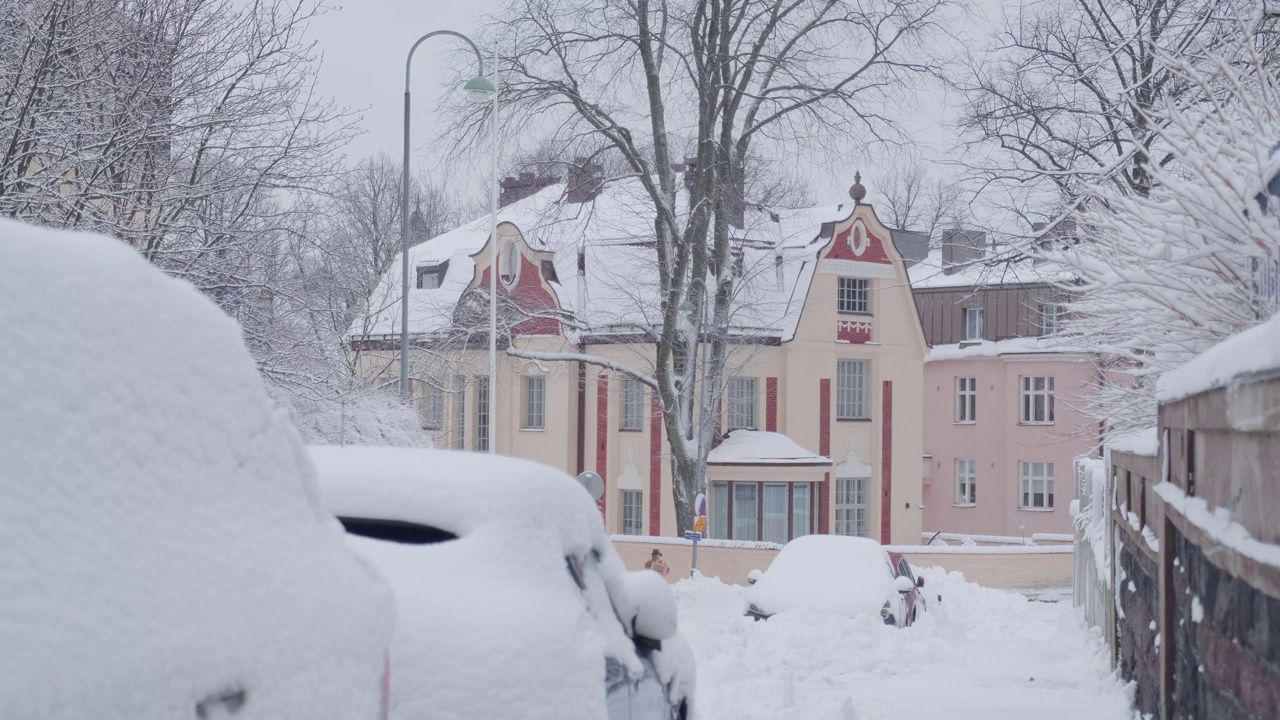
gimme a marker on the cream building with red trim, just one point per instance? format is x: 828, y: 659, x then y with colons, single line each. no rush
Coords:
x: 822, y: 413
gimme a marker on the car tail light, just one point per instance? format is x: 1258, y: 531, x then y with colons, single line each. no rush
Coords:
x: 384, y: 708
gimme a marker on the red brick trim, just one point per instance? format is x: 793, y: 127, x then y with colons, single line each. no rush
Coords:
x: 824, y: 449
x: 655, y: 466
x: 771, y: 404
x: 602, y: 435
x: 886, y: 461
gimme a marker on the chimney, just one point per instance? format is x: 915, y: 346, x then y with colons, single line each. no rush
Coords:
x: 515, y: 189
x: 689, y: 167
x: 586, y: 180
x: 961, y: 248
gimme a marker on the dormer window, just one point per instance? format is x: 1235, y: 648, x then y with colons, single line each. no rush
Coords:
x: 509, y: 264
x: 431, y: 277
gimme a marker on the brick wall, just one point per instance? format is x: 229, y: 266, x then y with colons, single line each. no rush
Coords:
x: 886, y: 463
x: 771, y: 404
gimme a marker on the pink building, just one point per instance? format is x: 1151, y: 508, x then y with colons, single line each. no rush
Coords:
x: 1003, y: 395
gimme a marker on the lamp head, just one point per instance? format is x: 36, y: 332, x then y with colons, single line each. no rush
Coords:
x: 479, y: 86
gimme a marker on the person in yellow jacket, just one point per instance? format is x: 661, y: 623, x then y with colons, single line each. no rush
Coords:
x: 656, y: 564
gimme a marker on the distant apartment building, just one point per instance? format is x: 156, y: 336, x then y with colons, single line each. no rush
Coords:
x: 1003, y: 394
x: 819, y: 430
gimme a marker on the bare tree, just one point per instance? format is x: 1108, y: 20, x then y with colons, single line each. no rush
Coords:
x: 687, y: 92
x: 916, y: 200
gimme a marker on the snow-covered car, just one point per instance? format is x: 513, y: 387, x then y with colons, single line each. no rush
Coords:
x: 512, y: 601
x: 837, y: 574
x: 163, y: 550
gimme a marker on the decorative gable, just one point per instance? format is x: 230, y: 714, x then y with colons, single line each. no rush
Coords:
x: 856, y: 252
x: 526, y: 289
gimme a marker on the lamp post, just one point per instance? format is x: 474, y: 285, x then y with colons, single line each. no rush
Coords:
x: 479, y: 85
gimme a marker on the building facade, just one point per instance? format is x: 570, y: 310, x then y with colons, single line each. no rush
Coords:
x: 820, y: 421
x: 1004, y: 395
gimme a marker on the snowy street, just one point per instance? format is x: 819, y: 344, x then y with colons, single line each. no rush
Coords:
x: 981, y: 655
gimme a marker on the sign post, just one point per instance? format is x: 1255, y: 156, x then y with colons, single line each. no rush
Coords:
x: 699, y: 527
x: 695, y: 537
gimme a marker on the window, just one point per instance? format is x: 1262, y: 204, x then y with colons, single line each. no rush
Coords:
x: 632, y: 404
x: 549, y: 271
x: 1037, y: 485
x: 509, y: 263
x: 771, y: 511
x: 973, y: 324
x: 800, y: 504
x: 1037, y: 400
x: 632, y: 512
x: 852, y: 386
x: 742, y: 403
x: 433, y: 406
x: 432, y: 276
x: 482, y: 414
x: 460, y: 412
x: 853, y: 295
x: 745, y: 526
x: 535, y: 402
x: 1051, y: 319
x: 966, y: 400
x: 966, y: 481
x: 851, y: 506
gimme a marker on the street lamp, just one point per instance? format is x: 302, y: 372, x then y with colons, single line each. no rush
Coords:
x: 478, y: 85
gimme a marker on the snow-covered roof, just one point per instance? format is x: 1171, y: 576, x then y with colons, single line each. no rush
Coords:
x: 163, y: 537
x: 989, y: 271
x: 620, y: 286
x: 757, y: 447
x: 1139, y: 442
x: 1254, y: 351
x: 1012, y: 346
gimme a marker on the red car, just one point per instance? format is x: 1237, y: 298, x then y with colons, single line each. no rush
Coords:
x: 843, y: 575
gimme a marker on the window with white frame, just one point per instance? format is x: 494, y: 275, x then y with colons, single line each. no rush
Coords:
x: 775, y: 516
x: 801, y: 504
x: 1037, y: 399
x: 973, y: 323
x: 460, y: 412
x: 966, y: 482
x: 632, y: 404
x: 966, y: 399
x: 746, y: 511
x: 770, y: 511
x: 535, y: 402
x: 432, y: 405
x: 853, y: 384
x: 853, y: 295
x: 482, y: 414
x: 851, y: 506
x: 742, y: 403
x: 1051, y: 318
x: 632, y: 512
x: 718, y: 511
x: 509, y: 263
x: 1037, y: 485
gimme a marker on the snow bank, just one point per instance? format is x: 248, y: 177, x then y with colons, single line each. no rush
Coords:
x: 827, y: 573
x: 1253, y: 351
x: 1217, y: 524
x: 1091, y: 518
x: 161, y: 539
x: 755, y: 447
x: 1141, y: 442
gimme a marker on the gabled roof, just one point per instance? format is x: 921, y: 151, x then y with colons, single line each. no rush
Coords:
x: 620, y: 286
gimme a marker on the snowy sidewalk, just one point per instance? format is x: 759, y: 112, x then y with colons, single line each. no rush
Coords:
x: 979, y: 655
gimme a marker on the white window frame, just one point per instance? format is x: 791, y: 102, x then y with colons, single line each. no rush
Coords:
x: 1051, y: 318
x: 742, y: 403
x: 509, y: 264
x: 460, y: 412
x: 853, y: 389
x: 767, y: 531
x: 966, y: 400
x: 850, y: 503
x: 632, y: 404
x: 484, y: 424
x: 1035, y: 478
x: 966, y: 483
x: 797, y: 506
x: 632, y: 512
x: 535, y: 402
x: 718, y: 499
x: 738, y: 519
x: 853, y: 295
x: 974, y: 323
x: 1035, y: 400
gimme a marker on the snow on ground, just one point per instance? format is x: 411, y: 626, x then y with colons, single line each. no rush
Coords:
x: 981, y: 654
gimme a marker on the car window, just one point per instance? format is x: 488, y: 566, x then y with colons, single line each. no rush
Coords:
x: 397, y: 531
x: 904, y: 569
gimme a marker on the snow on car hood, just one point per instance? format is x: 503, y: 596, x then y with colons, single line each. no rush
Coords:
x: 828, y: 573
x: 161, y: 539
x: 491, y: 625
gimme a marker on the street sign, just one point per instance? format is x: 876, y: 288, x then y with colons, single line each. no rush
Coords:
x: 593, y: 484
x: 699, y: 506
x: 691, y: 535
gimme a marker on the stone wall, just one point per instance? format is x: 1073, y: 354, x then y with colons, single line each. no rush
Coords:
x: 1137, y: 624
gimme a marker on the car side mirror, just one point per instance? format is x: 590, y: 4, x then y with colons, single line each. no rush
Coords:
x: 753, y: 576
x: 655, y: 606
x: 919, y: 582
x: 903, y: 584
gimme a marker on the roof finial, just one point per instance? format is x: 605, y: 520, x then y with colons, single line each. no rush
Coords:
x: 857, y: 192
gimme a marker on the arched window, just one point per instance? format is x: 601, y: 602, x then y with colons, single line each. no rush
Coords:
x: 509, y: 264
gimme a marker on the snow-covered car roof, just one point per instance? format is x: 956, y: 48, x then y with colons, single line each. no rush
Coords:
x: 828, y: 573
x: 161, y: 538
x: 492, y: 623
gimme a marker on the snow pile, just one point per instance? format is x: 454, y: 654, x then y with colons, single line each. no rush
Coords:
x: 1217, y: 524
x: 493, y: 624
x: 1139, y: 442
x: 980, y: 654
x: 827, y: 573
x: 1091, y: 519
x: 161, y: 539
x: 756, y: 447
x: 1253, y: 351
